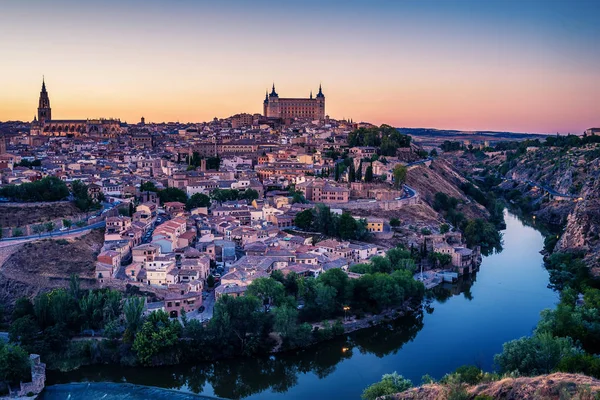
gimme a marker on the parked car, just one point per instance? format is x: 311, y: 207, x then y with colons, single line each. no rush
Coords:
x: 201, y: 309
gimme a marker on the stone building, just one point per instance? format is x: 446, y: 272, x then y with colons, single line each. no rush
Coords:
x: 290, y: 108
x: 44, y: 125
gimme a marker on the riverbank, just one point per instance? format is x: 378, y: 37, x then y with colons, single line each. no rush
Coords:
x: 80, y: 353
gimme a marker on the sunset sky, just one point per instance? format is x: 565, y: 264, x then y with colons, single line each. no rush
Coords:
x: 519, y: 65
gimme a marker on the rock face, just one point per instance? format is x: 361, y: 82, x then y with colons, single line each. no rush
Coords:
x: 549, y: 387
x: 30, y: 268
x: 582, y: 231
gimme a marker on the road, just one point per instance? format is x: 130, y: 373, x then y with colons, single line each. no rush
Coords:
x: 55, y: 234
x: 545, y: 188
x: 209, y: 305
x: 59, y: 233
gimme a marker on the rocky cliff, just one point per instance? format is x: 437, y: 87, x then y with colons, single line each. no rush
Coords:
x: 558, y: 386
x: 582, y: 232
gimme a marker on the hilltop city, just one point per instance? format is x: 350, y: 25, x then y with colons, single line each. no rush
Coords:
x: 198, y: 230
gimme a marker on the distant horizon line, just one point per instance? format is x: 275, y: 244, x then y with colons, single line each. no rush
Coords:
x: 457, y: 131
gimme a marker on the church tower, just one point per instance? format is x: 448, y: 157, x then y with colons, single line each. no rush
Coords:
x: 44, y: 110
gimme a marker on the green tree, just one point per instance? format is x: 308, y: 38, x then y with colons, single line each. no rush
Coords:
x: 347, y: 227
x: 148, y: 186
x: 389, y: 384
x: 197, y: 200
x: 268, y: 290
x: 440, y: 259
x: 49, y: 226
x: 369, y: 174
x: 323, y: 221
x: 17, y: 232
x: 385, y: 291
x: 133, y: 310
x: 15, y: 366
x: 539, y: 354
x: 83, y: 201
x: 38, y: 229
x: 172, y: 194
x: 210, y: 281
x: 395, y: 222
x: 337, y: 279
x: 381, y: 264
x: 240, y: 322
x: 479, y: 232
x: 444, y: 228
x: 49, y: 188
x: 249, y: 195
x: 286, y: 319
x: 156, y: 339
x: 304, y: 220
x: 67, y: 223
x: 24, y: 331
x: 298, y: 197
x: 399, y: 175
x: 23, y: 307
x: 351, y: 173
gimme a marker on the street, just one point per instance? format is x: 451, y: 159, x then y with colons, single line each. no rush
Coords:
x: 209, y: 305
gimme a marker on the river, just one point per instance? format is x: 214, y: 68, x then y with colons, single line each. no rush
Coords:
x: 465, y: 323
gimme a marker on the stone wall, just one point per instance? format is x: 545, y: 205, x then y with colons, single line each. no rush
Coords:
x: 38, y: 379
x: 380, y: 205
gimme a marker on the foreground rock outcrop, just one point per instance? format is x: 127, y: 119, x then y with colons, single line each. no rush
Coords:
x: 545, y: 387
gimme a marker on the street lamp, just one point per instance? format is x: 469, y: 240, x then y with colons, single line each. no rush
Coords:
x: 346, y: 308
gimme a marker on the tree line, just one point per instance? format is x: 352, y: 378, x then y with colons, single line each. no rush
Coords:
x: 321, y: 219
x: 386, y: 138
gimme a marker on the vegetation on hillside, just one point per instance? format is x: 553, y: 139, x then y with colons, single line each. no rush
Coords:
x: 386, y: 138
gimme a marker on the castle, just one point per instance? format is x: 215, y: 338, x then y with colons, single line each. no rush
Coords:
x: 44, y: 125
x: 310, y: 108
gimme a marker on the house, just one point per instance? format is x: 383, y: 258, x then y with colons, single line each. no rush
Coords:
x: 167, y: 235
x: 375, y: 225
x: 110, y: 257
x: 145, y: 252
x: 174, y: 208
x: 132, y: 271
x: 362, y: 251
x: 157, y: 270
x: 333, y: 247
x: 180, y: 297
x: 117, y: 224
x: 103, y: 272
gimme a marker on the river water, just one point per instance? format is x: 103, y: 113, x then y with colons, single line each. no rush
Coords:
x: 465, y: 323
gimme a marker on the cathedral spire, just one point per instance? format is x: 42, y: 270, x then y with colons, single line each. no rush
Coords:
x: 311, y: 94
x: 44, y: 110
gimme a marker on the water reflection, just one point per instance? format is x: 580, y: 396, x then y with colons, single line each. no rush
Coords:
x: 244, y: 377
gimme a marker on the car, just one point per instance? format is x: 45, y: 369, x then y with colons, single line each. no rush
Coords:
x: 64, y: 228
x: 201, y: 309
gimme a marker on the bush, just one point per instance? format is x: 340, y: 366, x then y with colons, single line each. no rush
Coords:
x: 389, y: 384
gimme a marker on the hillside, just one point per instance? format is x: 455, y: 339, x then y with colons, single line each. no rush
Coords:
x: 20, y: 214
x: 441, y: 176
x: 46, y: 264
x: 559, y: 386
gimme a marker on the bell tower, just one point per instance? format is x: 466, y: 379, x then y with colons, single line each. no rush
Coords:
x: 44, y: 110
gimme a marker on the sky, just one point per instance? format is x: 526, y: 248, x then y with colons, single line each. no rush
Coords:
x: 504, y: 65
